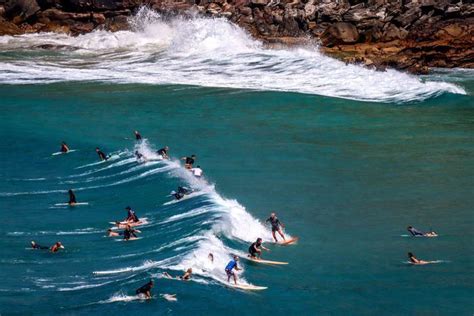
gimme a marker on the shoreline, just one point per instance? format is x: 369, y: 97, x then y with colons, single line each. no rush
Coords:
x: 413, y: 37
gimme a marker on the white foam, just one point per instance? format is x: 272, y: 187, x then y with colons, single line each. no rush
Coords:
x: 205, y: 52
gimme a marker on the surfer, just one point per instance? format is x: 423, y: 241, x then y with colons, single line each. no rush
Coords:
x: 140, y: 157
x: 102, y: 156
x: 414, y: 260
x: 255, y: 251
x: 189, y: 161
x: 64, y: 147
x: 197, y: 172
x: 231, y: 266
x: 210, y: 256
x: 130, y: 233
x: 111, y: 233
x: 415, y: 232
x: 72, y: 198
x: 185, y: 277
x: 34, y: 245
x: 145, y: 289
x: 131, y: 216
x: 138, y: 136
x: 276, y: 226
x: 181, y: 192
x: 163, y: 152
x: 56, y: 247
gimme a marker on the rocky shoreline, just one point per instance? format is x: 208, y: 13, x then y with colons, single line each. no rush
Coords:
x: 410, y: 35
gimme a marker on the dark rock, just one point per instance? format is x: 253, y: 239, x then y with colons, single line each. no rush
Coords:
x: 340, y: 33
x: 21, y: 10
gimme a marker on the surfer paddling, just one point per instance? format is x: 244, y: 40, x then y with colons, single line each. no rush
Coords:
x: 145, y: 290
x: 102, y: 156
x: 163, y: 152
x: 415, y: 232
x: 55, y: 248
x: 72, y: 198
x: 255, y: 249
x: 64, y: 147
x: 276, y: 226
x: 34, y: 245
x: 230, y: 267
x: 189, y: 161
x: 111, y: 233
x: 415, y: 260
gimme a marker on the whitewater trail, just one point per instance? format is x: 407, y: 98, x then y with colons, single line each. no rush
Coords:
x: 203, y: 52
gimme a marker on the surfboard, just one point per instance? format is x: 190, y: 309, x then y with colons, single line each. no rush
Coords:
x: 67, y: 204
x: 290, y: 241
x: 169, y: 297
x: 142, y: 221
x: 265, y: 261
x: 424, y: 263
x: 246, y: 287
x: 61, y: 153
x: 185, y: 197
x: 131, y: 239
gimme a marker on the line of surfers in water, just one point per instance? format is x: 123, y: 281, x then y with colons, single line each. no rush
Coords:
x: 132, y: 220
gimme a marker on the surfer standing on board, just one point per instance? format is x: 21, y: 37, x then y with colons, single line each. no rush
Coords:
x: 102, y: 156
x: 189, y: 161
x: 163, y: 152
x: 231, y: 266
x: 130, y: 233
x: 276, y: 226
x: 145, y: 289
x: 64, y: 147
x: 255, y: 251
x: 138, y: 136
x: 131, y: 216
x: 72, y: 198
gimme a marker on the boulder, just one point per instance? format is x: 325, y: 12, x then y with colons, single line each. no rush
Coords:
x: 339, y: 33
x: 8, y: 28
x: 392, y: 33
x: 21, y: 9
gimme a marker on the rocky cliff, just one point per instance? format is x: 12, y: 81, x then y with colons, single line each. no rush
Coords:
x: 412, y: 35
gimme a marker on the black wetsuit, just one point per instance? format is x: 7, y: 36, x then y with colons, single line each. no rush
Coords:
x: 138, y: 136
x: 72, y: 198
x: 275, y: 223
x: 129, y: 233
x: 144, y: 289
x: 36, y: 246
x: 252, y: 250
x: 64, y: 148
x: 132, y: 216
x: 415, y: 232
x: 163, y: 152
x: 189, y: 161
x: 102, y: 155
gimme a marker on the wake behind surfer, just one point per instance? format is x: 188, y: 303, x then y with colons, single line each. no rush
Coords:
x: 255, y: 249
x: 276, y: 226
x: 64, y: 147
x: 415, y: 232
x: 232, y: 265
x: 189, y: 161
x: 145, y: 290
x: 72, y: 198
x: 102, y: 156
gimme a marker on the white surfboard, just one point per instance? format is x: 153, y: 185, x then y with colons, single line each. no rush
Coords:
x: 265, y: 261
x: 62, y: 153
x: 131, y: 239
x: 76, y: 204
x: 246, y: 287
x: 142, y: 221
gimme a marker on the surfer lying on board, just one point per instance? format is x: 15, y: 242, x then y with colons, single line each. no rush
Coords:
x: 189, y: 161
x: 276, y: 226
x: 102, y: 156
x: 163, y: 152
x: 111, y: 233
x: 131, y: 216
x: 64, y: 147
x: 414, y: 260
x: 185, y: 277
x: 130, y: 233
x: 145, y: 289
x: 255, y: 251
x: 138, y: 136
x: 123, y: 225
x: 230, y: 267
x: 34, y: 245
x: 181, y: 192
x: 415, y: 232
x: 72, y: 198
x: 56, y: 247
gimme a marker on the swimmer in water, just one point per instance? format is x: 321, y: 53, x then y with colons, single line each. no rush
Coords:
x: 102, y: 156
x: 230, y: 267
x: 72, y: 198
x: 210, y: 256
x: 140, y: 157
x: 56, y: 247
x: 64, y: 147
x: 145, y: 290
x: 276, y: 226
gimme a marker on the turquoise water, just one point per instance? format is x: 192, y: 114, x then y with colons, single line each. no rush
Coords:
x: 345, y: 176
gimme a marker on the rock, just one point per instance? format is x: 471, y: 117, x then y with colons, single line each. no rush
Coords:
x: 340, y: 33
x: 394, y: 33
x: 259, y: 2
x: 245, y: 11
x: 21, y: 9
x: 8, y: 28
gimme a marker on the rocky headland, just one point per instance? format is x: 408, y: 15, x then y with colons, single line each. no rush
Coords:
x: 410, y: 35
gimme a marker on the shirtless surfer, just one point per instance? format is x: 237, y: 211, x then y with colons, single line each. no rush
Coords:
x: 56, y: 247
x: 185, y: 277
x: 189, y: 161
x: 163, y: 152
x: 64, y: 147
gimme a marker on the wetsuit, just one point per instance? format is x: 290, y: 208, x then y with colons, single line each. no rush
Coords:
x: 102, y: 155
x: 275, y: 223
x: 129, y: 233
x: 415, y: 232
x: 36, y: 246
x: 138, y: 136
x: 252, y: 251
x: 144, y: 289
x: 230, y: 266
x: 132, y: 216
x: 163, y: 152
x: 72, y: 198
x: 64, y: 148
x: 138, y: 155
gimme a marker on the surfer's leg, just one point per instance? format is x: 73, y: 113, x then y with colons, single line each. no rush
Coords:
x: 281, y: 234
x: 274, y: 237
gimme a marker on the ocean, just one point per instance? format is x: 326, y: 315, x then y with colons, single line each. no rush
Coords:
x: 346, y: 156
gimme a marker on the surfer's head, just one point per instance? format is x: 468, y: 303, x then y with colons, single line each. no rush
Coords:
x: 128, y: 208
x: 259, y: 240
x: 272, y: 214
x: 410, y: 255
x: 236, y: 258
x: 190, y: 270
x: 97, y: 149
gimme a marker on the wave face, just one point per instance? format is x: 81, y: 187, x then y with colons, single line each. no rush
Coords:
x: 203, y: 52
